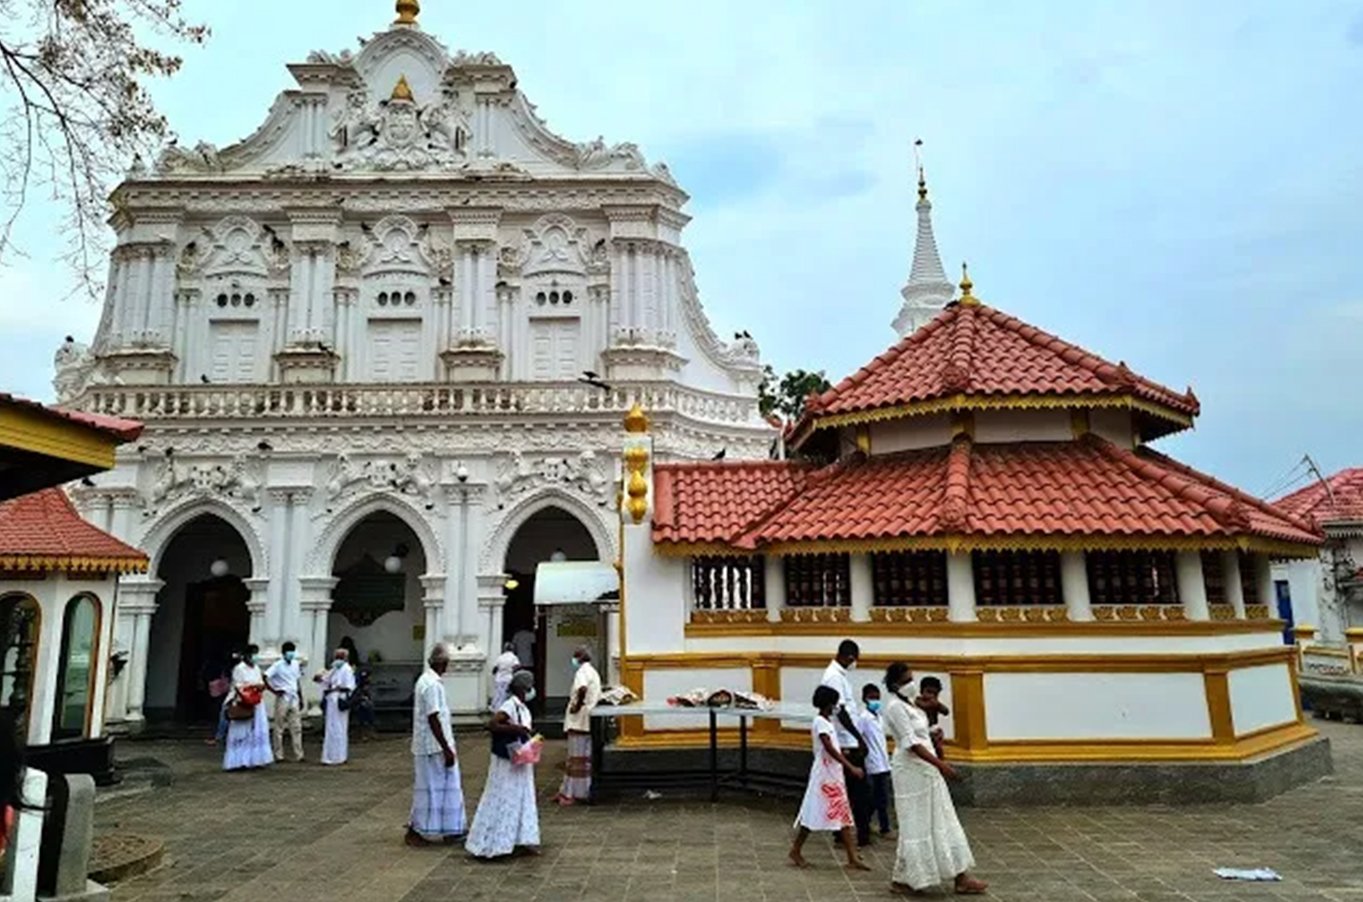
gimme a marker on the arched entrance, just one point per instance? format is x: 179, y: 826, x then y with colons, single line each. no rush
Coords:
x: 549, y: 534
x: 201, y: 618
x: 377, y: 602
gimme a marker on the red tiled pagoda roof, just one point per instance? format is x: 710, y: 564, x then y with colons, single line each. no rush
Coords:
x: 971, y: 355
x: 1341, y: 503
x: 1088, y: 492
x: 43, y: 531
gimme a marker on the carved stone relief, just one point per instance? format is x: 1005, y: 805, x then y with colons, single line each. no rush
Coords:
x: 407, y: 475
x: 169, y: 480
x: 584, y: 473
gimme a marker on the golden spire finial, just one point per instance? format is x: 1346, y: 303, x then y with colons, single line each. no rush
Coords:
x: 966, y: 285
x: 636, y: 421
x: 402, y: 90
x: 408, y: 10
x: 918, y: 164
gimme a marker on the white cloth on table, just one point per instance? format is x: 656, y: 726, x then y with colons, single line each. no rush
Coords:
x: 248, y: 741
x: 873, y: 731
x: 932, y: 847
x: 429, y: 698
x: 503, y: 669
x: 286, y: 678
x: 507, y: 815
x: 586, y: 678
x: 825, y: 805
x: 338, y: 683
x: 835, y: 677
x: 437, y: 798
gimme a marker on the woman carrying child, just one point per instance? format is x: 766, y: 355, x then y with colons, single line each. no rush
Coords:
x: 825, y: 805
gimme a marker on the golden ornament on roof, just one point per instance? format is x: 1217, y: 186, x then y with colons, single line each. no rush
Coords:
x: 636, y: 421
x: 966, y: 285
x: 402, y: 90
x: 408, y: 10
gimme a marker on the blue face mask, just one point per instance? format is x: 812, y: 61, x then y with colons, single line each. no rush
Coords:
x: 873, y: 706
x: 576, y: 663
x: 288, y: 657
x: 338, y: 663
x: 530, y: 694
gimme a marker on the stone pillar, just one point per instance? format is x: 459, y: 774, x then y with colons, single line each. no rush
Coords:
x: 315, y: 605
x: 433, y: 601
x: 258, y: 604
x: 1263, y: 583
x: 288, y: 609
x: 1230, y: 575
x: 1192, y: 587
x: 960, y: 587
x: 456, y: 496
x: 861, y: 586
x: 492, y: 602
x: 774, y: 584
x: 137, y: 599
x: 1074, y: 586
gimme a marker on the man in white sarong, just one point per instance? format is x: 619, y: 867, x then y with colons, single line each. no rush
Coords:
x: 438, y: 795
x: 337, y: 684
x: 507, y: 663
x: 577, y: 724
x: 284, y: 680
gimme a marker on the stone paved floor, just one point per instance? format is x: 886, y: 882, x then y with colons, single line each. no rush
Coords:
x: 302, y: 833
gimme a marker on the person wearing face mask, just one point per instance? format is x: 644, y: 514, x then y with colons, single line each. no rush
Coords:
x: 838, y: 678
x: 877, y: 757
x: 932, y: 846
x: 508, y: 818
x: 337, y: 684
x: 248, y: 735
x: 438, y: 795
x: 577, y: 724
x: 284, y: 680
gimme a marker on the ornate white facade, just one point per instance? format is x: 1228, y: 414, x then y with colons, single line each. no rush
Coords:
x: 375, y: 313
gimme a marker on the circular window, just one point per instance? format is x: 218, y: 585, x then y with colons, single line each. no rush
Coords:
x: 236, y: 299
x: 567, y: 297
x: 222, y: 300
x: 553, y: 297
x: 409, y: 298
x: 383, y: 299
x: 249, y: 299
x: 540, y: 298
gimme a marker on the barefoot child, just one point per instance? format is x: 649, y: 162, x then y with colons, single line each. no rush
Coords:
x: 929, y: 688
x: 877, y: 755
x: 825, y: 806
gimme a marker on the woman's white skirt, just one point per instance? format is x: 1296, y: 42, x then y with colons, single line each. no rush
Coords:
x: 248, y: 742
x: 507, y: 814
x: 932, y: 846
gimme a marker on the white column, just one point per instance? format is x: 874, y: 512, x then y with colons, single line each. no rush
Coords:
x: 960, y: 587
x: 433, y: 601
x: 137, y: 598
x: 470, y: 529
x: 491, y: 602
x: 1074, y: 586
x: 1230, y: 576
x: 862, y: 588
x: 1263, y: 583
x: 314, y: 598
x: 450, y: 626
x: 258, y: 604
x: 1192, y: 587
x: 299, y: 537
x: 774, y: 585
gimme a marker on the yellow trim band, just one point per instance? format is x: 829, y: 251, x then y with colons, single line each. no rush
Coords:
x: 965, y: 401
x: 52, y: 563
x: 51, y: 436
x: 1012, y: 542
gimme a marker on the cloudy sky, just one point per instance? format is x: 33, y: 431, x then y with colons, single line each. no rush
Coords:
x: 1177, y: 185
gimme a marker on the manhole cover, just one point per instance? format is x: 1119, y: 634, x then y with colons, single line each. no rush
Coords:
x: 118, y: 856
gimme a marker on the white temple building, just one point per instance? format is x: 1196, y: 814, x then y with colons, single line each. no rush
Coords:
x: 382, y: 347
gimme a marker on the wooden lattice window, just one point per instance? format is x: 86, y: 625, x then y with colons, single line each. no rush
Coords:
x: 1214, y: 578
x: 1131, y: 577
x: 818, y: 581
x: 1249, y: 585
x: 1012, y: 578
x: 728, y: 583
x: 909, y: 578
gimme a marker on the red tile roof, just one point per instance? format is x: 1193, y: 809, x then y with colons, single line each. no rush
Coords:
x: 979, y: 352
x: 43, y: 531
x: 1074, y: 489
x: 121, y: 429
x: 1342, y: 503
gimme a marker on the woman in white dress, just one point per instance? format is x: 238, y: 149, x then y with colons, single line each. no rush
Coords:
x: 932, y: 846
x: 337, y: 683
x: 248, y: 741
x: 507, y: 818
x: 826, y: 806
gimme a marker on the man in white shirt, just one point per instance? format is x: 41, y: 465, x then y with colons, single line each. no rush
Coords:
x: 285, y: 680
x: 837, y: 677
x: 577, y: 724
x: 438, y: 797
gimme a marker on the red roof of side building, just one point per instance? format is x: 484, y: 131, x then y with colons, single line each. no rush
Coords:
x: 43, y: 531
x: 1042, y: 494
x: 1341, y: 503
x: 971, y: 355
x: 119, y: 428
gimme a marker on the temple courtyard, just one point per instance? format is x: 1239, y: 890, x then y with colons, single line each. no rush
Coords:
x: 302, y: 833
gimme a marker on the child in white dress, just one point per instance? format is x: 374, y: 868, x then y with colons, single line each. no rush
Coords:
x: 825, y: 806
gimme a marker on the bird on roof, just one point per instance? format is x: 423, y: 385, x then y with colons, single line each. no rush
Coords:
x: 719, y: 455
x: 203, y: 377
x: 592, y: 379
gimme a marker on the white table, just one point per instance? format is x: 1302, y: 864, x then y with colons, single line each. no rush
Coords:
x: 647, y: 708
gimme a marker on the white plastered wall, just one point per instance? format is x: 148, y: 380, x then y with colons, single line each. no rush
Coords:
x: 1261, y: 697
x: 1095, y: 706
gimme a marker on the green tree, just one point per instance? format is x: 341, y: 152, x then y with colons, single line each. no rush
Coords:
x: 786, y: 396
x: 75, y: 110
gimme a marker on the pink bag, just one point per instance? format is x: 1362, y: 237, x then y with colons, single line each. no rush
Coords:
x: 527, y: 753
x: 218, y: 688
